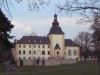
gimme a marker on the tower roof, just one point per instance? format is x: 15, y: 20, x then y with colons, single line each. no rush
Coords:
x: 55, y: 22
x: 57, y: 46
x: 55, y: 29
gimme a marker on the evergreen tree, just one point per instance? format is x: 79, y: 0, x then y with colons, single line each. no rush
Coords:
x: 5, y: 29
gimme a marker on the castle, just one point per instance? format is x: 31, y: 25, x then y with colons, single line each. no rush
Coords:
x: 54, y: 46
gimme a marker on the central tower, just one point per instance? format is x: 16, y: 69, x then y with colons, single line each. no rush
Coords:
x: 56, y: 36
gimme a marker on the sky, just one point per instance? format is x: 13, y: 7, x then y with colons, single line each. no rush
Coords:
x: 25, y: 21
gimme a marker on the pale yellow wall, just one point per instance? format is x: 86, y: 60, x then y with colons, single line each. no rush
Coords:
x: 32, y: 49
x: 57, y: 39
x: 72, y: 52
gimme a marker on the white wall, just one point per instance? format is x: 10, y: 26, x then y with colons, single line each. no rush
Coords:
x: 72, y: 52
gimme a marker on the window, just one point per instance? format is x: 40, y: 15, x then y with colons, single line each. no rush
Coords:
x: 43, y: 52
x: 34, y: 46
x: 65, y: 53
x: 48, y: 52
x: 23, y: 57
x: 24, y: 52
x: 19, y: 58
x: 69, y: 52
x: 34, y: 52
x: 29, y: 58
x: 19, y: 46
x: 48, y: 46
x: 19, y: 51
x: 29, y: 52
x: 43, y: 46
x: 75, y: 52
x: 23, y: 46
x: 29, y: 46
x: 38, y: 46
x: 57, y: 53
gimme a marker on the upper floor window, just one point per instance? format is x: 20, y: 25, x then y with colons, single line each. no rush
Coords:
x: 19, y: 46
x: 23, y: 46
x: 48, y: 46
x: 29, y: 46
x: 34, y: 46
x: 43, y: 46
x: 19, y: 51
x: 34, y: 52
x: 69, y: 52
x: 48, y: 52
x: 75, y: 52
x: 24, y: 52
x: 29, y: 52
x: 38, y: 46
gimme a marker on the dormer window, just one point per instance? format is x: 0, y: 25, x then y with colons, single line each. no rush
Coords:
x: 34, y: 40
x: 28, y: 41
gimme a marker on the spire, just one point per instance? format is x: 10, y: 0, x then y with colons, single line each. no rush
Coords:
x: 55, y: 22
x: 55, y: 29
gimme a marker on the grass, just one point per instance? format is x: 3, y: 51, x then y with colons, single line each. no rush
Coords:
x: 88, y: 68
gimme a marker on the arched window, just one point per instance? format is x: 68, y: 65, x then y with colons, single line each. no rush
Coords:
x: 69, y: 52
x: 75, y: 52
x: 43, y: 52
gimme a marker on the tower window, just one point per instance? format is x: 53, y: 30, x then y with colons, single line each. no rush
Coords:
x: 57, y: 53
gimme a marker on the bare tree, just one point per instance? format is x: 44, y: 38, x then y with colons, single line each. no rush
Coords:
x: 87, y: 9
x: 84, y: 40
x: 32, y: 4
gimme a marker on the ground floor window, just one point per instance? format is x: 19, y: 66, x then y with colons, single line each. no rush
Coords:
x: 69, y: 52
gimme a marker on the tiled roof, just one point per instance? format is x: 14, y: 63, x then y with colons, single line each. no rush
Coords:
x: 57, y: 46
x: 69, y: 42
x: 33, y: 40
x: 56, y: 30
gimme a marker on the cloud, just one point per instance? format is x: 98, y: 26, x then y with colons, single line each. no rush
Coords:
x: 41, y: 26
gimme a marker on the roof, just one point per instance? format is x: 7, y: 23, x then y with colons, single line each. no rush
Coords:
x: 69, y: 42
x: 56, y: 30
x: 33, y: 40
x: 57, y: 46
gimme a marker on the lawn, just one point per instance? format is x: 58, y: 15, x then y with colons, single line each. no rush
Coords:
x: 88, y: 68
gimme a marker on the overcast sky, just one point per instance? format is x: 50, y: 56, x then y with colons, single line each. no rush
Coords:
x: 40, y: 22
